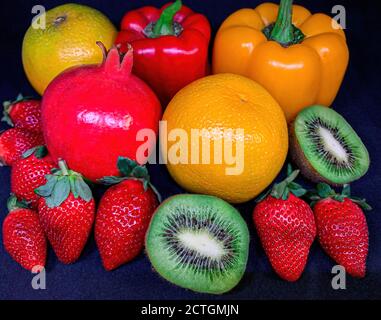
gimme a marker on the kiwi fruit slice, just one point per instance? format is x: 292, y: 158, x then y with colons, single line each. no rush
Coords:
x: 326, y: 148
x: 199, y: 243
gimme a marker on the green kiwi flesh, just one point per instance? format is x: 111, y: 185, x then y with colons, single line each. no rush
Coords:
x: 326, y: 148
x: 199, y: 243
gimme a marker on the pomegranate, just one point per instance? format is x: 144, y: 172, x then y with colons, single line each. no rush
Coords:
x: 91, y: 115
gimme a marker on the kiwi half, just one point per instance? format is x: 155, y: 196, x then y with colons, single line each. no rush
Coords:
x: 326, y: 148
x: 198, y: 242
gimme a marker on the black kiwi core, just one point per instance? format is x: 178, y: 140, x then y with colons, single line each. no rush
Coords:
x: 198, y: 242
x: 326, y: 148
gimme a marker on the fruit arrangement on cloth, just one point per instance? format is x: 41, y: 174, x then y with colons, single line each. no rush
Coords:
x: 224, y: 137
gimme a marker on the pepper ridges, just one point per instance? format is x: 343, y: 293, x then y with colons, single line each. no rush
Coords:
x: 299, y: 57
x: 170, y: 46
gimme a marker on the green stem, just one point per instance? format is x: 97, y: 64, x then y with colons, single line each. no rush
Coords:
x: 283, y: 31
x: 63, y: 166
x: 164, y: 26
x: 14, y: 204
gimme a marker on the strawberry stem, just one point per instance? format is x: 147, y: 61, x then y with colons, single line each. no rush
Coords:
x: 61, y: 183
x: 63, y: 166
x: 283, y: 189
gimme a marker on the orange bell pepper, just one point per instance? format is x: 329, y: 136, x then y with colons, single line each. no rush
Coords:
x: 298, y: 57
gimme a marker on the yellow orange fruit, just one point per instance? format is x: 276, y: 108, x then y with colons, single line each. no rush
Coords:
x: 68, y: 39
x: 219, y: 106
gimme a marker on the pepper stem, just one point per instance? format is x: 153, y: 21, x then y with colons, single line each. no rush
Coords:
x: 283, y: 31
x: 164, y: 26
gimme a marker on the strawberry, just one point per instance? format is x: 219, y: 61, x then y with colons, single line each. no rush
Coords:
x: 66, y: 210
x: 342, y: 228
x: 29, y: 173
x: 124, y: 215
x: 23, y: 113
x: 286, y: 227
x: 23, y: 236
x: 14, y: 142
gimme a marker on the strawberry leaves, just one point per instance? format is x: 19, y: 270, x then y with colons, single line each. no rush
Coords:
x: 47, y: 189
x: 61, y: 183
x: 283, y: 189
x: 130, y: 169
x: 127, y: 166
x: 13, y: 203
x: 39, y: 152
x: 7, y: 106
x: 324, y: 191
x: 6, y: 118
x: 81, y: 189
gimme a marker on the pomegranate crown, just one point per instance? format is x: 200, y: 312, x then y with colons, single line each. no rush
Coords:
x: 115, y: 62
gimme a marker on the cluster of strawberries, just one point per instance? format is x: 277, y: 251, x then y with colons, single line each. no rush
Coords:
x: 287, y: 227
x: 51, y: 203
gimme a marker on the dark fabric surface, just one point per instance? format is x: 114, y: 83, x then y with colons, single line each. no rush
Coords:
x: 358, y: 101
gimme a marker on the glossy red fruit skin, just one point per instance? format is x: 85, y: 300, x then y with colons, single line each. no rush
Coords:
x: 14, y: 142
x: 26, y: 115
x: 68, y: 226
x: 122, y: 221
x: 29, y: 174
x: 343, y: 234
x: 287, y: 230
x: 24, y: 238
x: 167, y: 63
x: 91, y: 115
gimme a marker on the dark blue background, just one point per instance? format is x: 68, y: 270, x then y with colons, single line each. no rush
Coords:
x: 358, y: 101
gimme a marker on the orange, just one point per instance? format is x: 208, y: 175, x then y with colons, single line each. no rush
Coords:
x: 217, y: 104
x: 68, y: 39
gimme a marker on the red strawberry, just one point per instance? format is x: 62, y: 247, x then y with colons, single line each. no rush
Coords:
x: 123, y: 217
x: 66, y: 210
x: 29, y: 173
x: 23, y: 113
x: 23, y: 236
x: 342, y: 228
x: 286, y: 227
x: 14, y: 142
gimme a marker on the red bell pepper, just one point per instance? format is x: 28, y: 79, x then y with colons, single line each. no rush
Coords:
x: 170, y: 46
